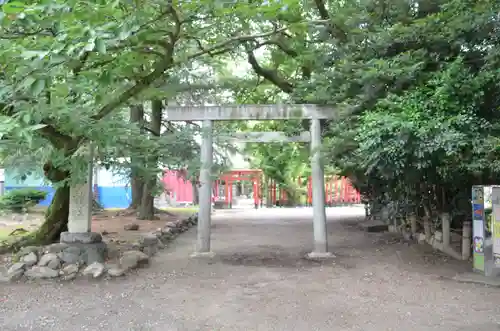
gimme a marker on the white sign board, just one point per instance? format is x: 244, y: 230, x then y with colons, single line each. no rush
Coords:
x: 2, y: 175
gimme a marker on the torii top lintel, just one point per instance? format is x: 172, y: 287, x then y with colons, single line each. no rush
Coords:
x: 248, y: 112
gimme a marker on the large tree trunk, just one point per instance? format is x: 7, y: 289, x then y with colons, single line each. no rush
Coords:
x: 137, y: 188
x: 196, y: 194
x: 56, y: 217
x: 136, y: 180
x: 147, y: 209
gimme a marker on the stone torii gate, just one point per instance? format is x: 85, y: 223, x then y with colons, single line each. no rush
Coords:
x: 208, y: 114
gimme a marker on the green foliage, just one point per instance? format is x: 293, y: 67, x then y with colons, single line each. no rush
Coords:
x: 91, y: 59
x: 19, y: 200
x: 421, y: 125
x: 415, y: 90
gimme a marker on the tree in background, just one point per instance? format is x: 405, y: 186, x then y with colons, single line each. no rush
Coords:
x: 69, y: 68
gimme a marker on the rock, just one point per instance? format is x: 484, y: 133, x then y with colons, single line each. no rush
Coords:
x: 95, y: 270
x: 116, y: 271
x: 166, y: 230
x: 15, y: 271
x: 150, y: 250
x: 161, y: 245
x: 178, y: 223
x: 30, y: 260
x: 70, y: 269
x: 407, y: 235
x: 69, y: 258
x: 16, y: 266
x: 70, y: 255
x: 133, y: 259
x: 81, y: 238
x: 149, y: 240
x: 69, y: 277
x: 28, y: 249
x: 50, y: 260
x: 56, y: 248
x: 69, y: 272
x: 38, y: 272
x: 167, y: 234
x: 131, y: 227
x: 421, y: 238
x: 170, y: 225
x: 137, y: 245
x: 96, y: 252
x: 438, y: 236
x: 14, y: 276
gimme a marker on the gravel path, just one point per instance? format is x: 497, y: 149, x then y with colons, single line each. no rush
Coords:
x: 259, y: 281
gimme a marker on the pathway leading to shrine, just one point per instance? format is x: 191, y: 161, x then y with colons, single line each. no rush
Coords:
x: 260, y: 281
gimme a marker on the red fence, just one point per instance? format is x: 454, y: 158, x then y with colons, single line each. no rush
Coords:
x: 177, y: 186
x: 338, y: 190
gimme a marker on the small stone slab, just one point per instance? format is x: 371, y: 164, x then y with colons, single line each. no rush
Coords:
x: 374, y: 226
x: 15, y: 272
x: 202, y: 255
x: 41, y: 273
x: 476, y: 278
x: 82, y: 237
x: 56, y: 248
x: 95, y: 270
x: 314, y: 256
x: 131, y: 227
x: 116, y: 271
x: 133, y: 259
x: 50, y: 260
x: 70, y: 255
x: 96, y: 252
x: 30, y: 259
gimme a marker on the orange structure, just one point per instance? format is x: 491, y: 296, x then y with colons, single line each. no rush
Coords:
x: 253, y: 175
x: 338, y: 190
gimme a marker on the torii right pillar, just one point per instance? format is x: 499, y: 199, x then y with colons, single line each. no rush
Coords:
x: 318, y: 195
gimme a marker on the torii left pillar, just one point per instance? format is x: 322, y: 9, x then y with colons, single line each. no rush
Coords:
x: 205, y: 193
x: 318, y: 195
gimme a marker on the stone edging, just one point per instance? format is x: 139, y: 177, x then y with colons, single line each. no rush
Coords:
x: 65, y: 262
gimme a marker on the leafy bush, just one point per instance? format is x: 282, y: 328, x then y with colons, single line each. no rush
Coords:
x: 21, y: 199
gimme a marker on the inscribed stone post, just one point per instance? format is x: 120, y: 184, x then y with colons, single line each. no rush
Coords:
x: 80, y: 204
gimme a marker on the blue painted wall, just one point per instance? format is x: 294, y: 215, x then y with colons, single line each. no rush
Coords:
x: 113, y: 189
x: 114, y: 197
x: 109, y: 197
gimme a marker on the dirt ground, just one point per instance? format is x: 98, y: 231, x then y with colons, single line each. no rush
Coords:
x: 259, y: 280
x: 110, y: 223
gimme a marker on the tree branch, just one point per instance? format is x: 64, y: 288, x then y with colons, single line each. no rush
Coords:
x: 18, y: 35
x: 334, y: 30
x: 306, y: 71
x: 270, y: 75
x: 162, y: 66
x: 236, y: 39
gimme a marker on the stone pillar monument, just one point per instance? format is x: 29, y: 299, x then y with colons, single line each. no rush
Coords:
x: 79, y: 234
